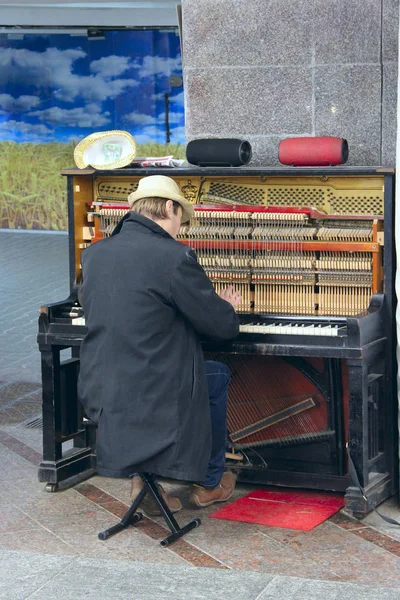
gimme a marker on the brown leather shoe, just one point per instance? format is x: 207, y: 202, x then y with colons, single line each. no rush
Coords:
x: 148, y: 504
x: 202, y: 496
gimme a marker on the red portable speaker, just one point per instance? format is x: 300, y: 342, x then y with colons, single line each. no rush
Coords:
x: 313, y: 151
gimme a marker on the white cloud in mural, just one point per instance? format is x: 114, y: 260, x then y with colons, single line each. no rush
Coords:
x: 179, y: 99
x: 89, y: 116
x: 92, y: 88
x: 152, y: 130
x: 173, y: 117
x: 37, y: 67
x: 175, y: 102
x: 139, y: 118
x: 179, y: 132
x: 158, y: 96
x: 27, y: 130
x: 110, y: 66
x: 18, y: 104
x: 158, y: 65
x: 143, y: 119
x: 53, y: 69
x: 155, y: 134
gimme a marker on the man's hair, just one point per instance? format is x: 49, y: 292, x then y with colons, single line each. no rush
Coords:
x: 154, y: 207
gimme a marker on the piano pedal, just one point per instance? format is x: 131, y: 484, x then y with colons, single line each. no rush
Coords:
x: 235, y: 456
x: 237, y: 461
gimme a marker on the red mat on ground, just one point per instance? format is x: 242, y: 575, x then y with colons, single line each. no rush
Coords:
x: 290, y: 509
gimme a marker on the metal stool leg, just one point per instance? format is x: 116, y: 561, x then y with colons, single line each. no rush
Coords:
x: 129, y: 517
x: 177, y: 531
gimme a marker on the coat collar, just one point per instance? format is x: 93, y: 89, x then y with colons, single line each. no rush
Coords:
x: 134, y: 218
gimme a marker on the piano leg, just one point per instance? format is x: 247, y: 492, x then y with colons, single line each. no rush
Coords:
x: 369, y: 440
x: 62, y: 422
x: 51, y: 415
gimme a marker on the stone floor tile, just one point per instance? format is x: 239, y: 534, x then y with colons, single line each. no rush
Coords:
x: 346, y: 522
x: 32, y: 437
x: 87, y: 521
x: 42, y: 505
x: 290, y: 588
x: 130, y: 545
x: 15, y: 390
x: 11, y: 472
x: 21, y: 573
x: 119, y: 488
x: 19, y: 412
x: 140, y: 581
x: 13, y: 466
x: 242, y: 547
x: 36, y: 540
x: 389, y: 509
x: 80, y: 531
x: 379, y: 539
x: 25, y: 285
x: 13, y: 519
x: 332, y: 547
x: 157, y: 531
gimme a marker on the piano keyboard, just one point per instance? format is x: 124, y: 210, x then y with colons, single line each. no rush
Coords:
x: 311, y: 329
x: 293, y: 329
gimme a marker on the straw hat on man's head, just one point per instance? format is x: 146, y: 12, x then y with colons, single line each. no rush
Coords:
x: 160, y: 186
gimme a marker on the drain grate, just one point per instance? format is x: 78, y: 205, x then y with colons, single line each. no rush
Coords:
x: 35, y: 424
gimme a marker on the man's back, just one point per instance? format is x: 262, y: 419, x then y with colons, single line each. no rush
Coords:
x: 126, y: 286
x: 142, y: 378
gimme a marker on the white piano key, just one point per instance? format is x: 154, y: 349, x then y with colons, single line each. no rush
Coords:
x: 79, y: 321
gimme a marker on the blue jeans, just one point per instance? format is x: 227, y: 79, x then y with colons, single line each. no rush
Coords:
x: 218, y: 378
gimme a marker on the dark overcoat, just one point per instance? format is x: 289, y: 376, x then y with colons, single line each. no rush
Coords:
x: 142, y: 376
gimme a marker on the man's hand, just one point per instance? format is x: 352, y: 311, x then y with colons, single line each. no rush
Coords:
x: 230, y: 295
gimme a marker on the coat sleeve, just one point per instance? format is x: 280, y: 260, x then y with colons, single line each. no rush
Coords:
x: 194, y: 296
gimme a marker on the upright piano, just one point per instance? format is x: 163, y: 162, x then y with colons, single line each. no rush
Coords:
x: 313, y: 367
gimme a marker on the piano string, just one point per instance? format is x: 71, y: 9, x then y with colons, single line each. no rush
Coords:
x: 283, y: 260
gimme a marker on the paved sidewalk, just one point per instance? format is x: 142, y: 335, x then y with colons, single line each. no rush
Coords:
x: 34, y: 271
x: 48, y: 542
x: 49, y: 577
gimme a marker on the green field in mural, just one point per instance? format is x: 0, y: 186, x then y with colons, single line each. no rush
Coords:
x: 32, y: 191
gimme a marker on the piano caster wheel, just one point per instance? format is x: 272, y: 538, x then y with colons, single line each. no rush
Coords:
x: 51, y: 487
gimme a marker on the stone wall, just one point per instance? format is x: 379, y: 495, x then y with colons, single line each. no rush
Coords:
x: 264, y: 70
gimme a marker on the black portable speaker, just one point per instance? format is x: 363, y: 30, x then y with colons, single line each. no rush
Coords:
x: 218, y: 152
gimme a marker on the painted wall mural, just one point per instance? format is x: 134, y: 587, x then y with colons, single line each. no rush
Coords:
x: 57, y: 89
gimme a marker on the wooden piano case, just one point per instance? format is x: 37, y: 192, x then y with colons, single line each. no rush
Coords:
x: 296, y: 403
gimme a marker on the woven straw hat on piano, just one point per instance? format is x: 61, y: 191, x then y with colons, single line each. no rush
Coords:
x: 161, y: 186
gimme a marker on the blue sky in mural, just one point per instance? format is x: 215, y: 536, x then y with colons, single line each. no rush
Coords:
x: 63, y: 87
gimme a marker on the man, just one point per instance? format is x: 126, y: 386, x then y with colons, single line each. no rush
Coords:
x: 143, y: 379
